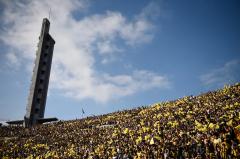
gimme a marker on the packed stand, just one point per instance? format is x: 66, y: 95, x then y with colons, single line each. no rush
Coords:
x: 205, y: 126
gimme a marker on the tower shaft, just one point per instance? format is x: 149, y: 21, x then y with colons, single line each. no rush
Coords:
x: 40, y: 78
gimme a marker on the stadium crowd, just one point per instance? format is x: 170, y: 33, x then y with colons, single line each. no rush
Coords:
x: 205, y: 126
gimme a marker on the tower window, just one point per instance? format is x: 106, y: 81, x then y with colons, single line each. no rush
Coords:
x: 36, y: 110
x: 39, y: 90
x: 42, y: 72
x: 44, y: 67
x: 41, y: 81
x: 38, y: 100
x: 47, y: 47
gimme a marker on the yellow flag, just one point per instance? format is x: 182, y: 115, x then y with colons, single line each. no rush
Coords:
x: 157, y: 137
x: 238, y: 127
x: 229, y: 123
x: 147, y: 137
x: 198, y: 124
x: 114, y: 134
x: 156, y: 124
x: 236, y: 104
x: 211, y: 126
x: 126, y: 131
x: 146, y: 129
x: 139, y: 139
x: 30, y: 157
x: 159, y: 116
x: 183, y: 120
x: 152, y: 141
x: 175, y: 123
x: 203, y: 128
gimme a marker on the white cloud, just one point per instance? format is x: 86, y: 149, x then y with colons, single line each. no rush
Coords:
x: 227, y: 74
x: 151, y: 11
x: 13, y: 60
x: 106, y: 47
x: 77, y: 42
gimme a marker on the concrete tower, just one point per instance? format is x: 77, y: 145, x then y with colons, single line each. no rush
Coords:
x: 40, y: 78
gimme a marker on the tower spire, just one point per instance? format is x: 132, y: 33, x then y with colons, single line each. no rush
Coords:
x: 49, y: 13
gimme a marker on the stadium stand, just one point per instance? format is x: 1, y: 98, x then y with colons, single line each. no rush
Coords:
x: 204, y: 126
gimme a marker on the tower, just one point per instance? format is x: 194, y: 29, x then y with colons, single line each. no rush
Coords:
x: 40, y: 78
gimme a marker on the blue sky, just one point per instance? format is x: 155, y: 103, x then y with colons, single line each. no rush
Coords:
x: 114, y: 55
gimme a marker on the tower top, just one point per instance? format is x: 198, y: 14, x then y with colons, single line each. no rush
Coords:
x: 45, y: 27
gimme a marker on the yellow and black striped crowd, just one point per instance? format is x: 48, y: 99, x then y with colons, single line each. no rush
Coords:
x: 194, y: 127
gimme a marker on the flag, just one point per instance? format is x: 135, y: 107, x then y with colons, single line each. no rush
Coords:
x: 157, y: 137
x: 83, y: 111
x: 230, y: 122
x: 237, y: 127
x: 139, y: 140
x: 211, y: 126
x: 152, y: 141
x: 147, y: 137
x: 126, y: 131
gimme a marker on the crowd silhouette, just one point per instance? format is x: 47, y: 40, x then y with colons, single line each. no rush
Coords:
x: 204, y: 126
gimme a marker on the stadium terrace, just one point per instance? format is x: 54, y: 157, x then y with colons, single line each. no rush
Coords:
x: 205, y: 126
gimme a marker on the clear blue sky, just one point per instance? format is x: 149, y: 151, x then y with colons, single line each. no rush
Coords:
x: 114, y: 55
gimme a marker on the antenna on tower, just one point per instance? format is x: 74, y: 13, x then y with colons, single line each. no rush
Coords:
x: 49, y: 13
